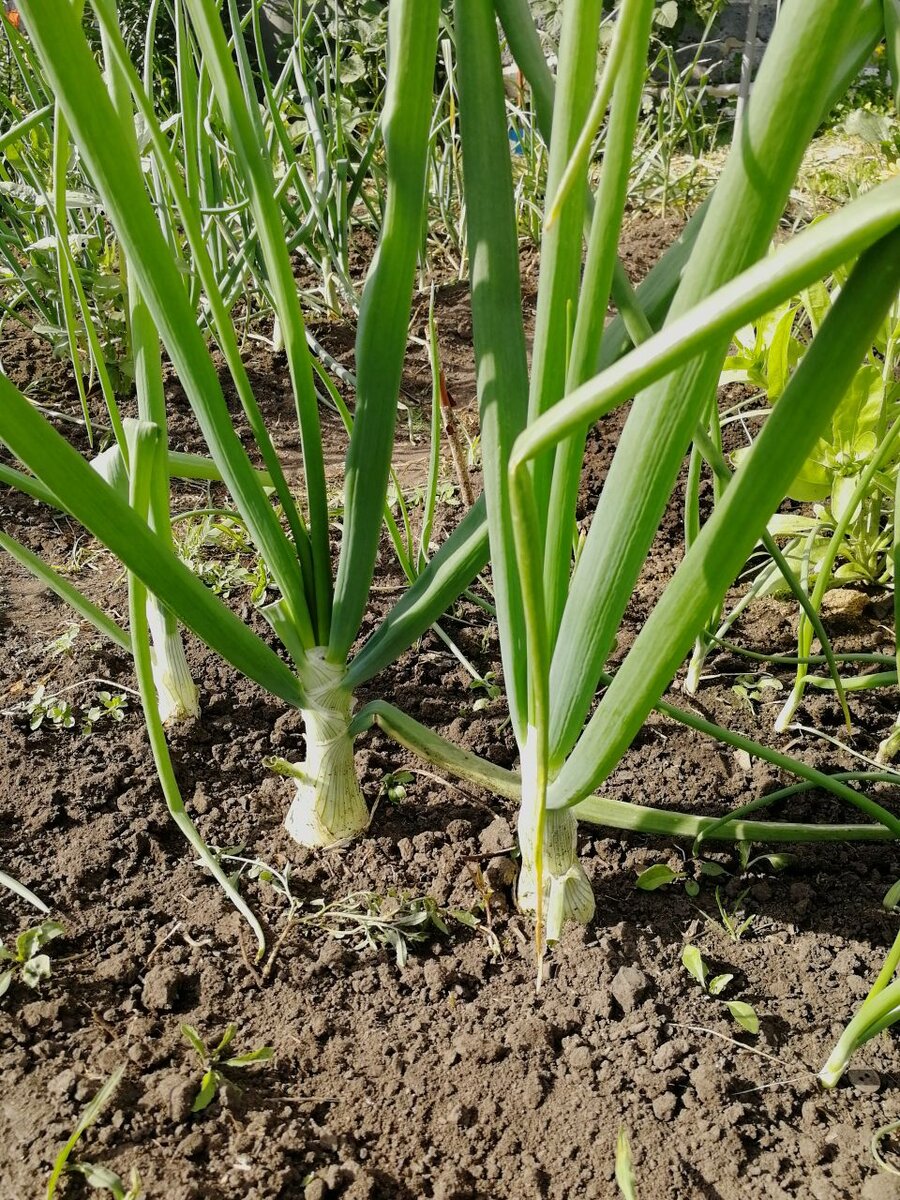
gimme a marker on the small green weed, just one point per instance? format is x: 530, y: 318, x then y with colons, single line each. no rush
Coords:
x: 28, y: 962
x: 46, y: 708
x: 367, y: 919
x: 102, y: 1179
x: 218, y: 549
x: 624, y: 1169
x: 693, y: 962
x: 778, y: 860
x: 111, y: 705
x: 660, y: 874
x: 487, y: 685
x: 215, y: 1063
x: 753, y: 688
x: 732, y: 920
x: 62, y: 646
x: 697, y: 869
x: 43, y: 706
x: 393, y: 785
x: 98, y: 1177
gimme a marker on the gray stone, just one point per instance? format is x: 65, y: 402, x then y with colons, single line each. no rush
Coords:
x: 671, y: 1053
x: 497, y: 837
x: 182, y: 1093
x: 64, y: 1083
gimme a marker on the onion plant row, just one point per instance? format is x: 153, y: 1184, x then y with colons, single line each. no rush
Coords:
x: 559, y: 600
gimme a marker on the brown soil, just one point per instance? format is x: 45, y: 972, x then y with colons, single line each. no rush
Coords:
x: 450, y: 1078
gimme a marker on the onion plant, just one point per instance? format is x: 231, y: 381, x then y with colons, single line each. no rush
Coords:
x: 317, y: 617
x: 557, y: 625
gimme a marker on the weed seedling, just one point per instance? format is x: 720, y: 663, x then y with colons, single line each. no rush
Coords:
x: 45, y: 707
x: 660, y: 874
x: 733, y: 926
x: 693, y: 962
x: 102, y: 1179
x: 778, y: 861
x: 752, y: 688
x: 111, y: 705
x: 368, y: 919
x: 215, y: 545
x: 62, y: 646
x: 488, y: 686
x: 730, y: 919
x: 624, y: 1169
x: 214, y: 1063
x: 891, y: 898
x: 393, y: 785
x: 28, y: 962
x: 393, y: 920
x: 97, y: 1176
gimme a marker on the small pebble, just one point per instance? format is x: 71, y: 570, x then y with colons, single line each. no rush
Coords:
x: 161, y: 987
x: 881, y: 1187
x: 865, y: 1081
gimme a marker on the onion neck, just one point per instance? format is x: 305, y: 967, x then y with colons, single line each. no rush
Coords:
x: 177, y: 695
x: 328, y: 804
x: 567, y: 894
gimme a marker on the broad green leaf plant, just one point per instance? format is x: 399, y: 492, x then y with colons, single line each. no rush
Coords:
x: 849, y: 480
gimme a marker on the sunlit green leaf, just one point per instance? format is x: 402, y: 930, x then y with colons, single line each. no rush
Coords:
x: 744, y: 1014
x: 263, y: 1054
x: 656, y: 876
x: 692, y: 960
x: 207, y: 1093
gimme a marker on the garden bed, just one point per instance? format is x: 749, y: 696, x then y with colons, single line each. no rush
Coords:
x: 450, y: 1078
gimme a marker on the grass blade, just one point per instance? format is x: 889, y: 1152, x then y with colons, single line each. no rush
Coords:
x: 25, y: 893
x: 91, y: 1112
